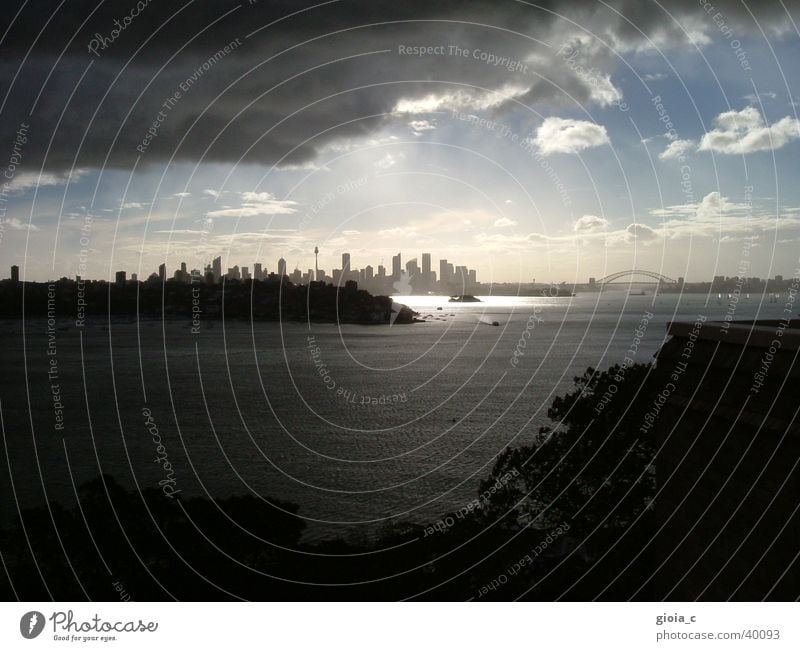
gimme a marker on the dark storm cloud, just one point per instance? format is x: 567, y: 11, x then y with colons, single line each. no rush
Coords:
x: 111, y: 105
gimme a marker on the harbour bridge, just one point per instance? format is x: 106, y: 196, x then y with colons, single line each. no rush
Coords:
x: 654, y: 277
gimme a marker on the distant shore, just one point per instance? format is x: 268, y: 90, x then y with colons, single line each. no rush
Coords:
x: 200, y: 303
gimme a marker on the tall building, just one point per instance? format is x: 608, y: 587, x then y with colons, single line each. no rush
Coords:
x: 281, y: 267
x: 162, y: 272
x: 381, y: 271
x: 245, y: 273
x: 412, y: 269
x: 444, y: 276
x: 216, y: 268
x: 14, y: 273
x: 346, y: 266
x: 258, y: 274
x: 368, y: 273
x: 426, y: 265
x: 462, y: 275
x: 397, y: 268
x: 120, y: 278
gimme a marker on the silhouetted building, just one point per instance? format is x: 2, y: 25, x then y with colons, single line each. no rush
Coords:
x: 14, y: 273
x: 258, y: 274
x: 426, y: 264
x: 216, y: 268
x: 444, y: 275
x: 162, y: 272
x: 346, y: 266
x: 397, y: 267
x: 120, y: 278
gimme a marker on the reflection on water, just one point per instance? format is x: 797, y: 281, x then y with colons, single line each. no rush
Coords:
x: 359, y: 425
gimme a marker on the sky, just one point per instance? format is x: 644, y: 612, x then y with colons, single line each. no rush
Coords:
x: 546, y: 140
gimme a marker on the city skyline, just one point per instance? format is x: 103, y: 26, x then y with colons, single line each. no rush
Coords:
x: 585, y: 156
x: 456, y: 277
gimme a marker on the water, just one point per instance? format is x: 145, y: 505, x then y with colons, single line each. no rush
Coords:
x: 362, y: 426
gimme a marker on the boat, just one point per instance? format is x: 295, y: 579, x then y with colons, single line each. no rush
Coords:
x: 464, y: 298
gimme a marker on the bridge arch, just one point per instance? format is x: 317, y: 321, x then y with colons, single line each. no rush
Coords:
x: 635, y: 272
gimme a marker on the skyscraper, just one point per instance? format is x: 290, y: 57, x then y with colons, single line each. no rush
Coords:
x: 444, y: 276
x: 216, y: 268
x: 397, y: 268
x: 281, y: 267
x: 162, y: 272
x: 426, y: 265
x: 346, y: 266
x: 257, y: 273
x: 14, y: 273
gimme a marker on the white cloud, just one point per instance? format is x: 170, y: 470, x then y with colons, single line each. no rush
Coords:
x: 212, y: 193
x: 716, y: 216
x: 183, y: 231
x: 256, y: 204
x: 590, y: 224
x: 389, y: 161
x: 419, y: 126
x: 16, y: 225
x: 133, y: 205
x: 28, y: 180
x: 657, y: 76
x: 641, y: 232
x: 677, y: 149
x: 460, y: 99
x: 182, y: 194
x: 504, y: 222
x: 744, y: 132
x: 557, y: 135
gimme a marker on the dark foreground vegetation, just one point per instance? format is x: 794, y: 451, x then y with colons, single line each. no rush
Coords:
x: 198, y: 302
x: 566, y: 517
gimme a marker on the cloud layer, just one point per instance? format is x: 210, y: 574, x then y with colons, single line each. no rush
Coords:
x: 197, y: 81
